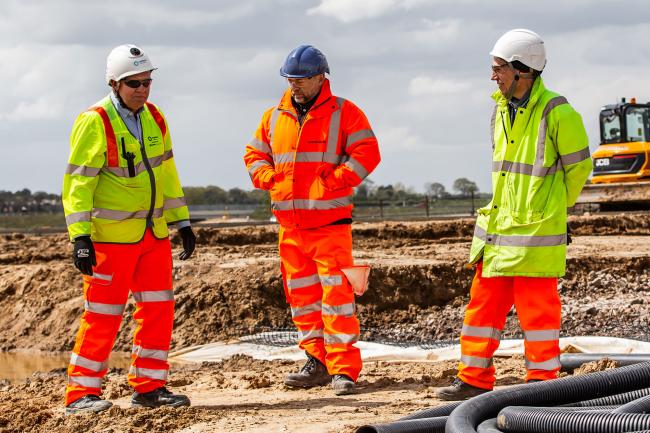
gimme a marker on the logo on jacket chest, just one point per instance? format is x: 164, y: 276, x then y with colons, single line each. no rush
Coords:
x: 153, y: 140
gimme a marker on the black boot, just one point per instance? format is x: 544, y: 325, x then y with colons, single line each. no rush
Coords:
x: 159, y: 397
x: 313, y: 373
x: 342, y: 384
x: 459, y: 390
x: 87, y: 404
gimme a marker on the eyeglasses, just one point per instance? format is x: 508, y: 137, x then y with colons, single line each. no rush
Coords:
x: 498, y: 69
x: 134, y: 84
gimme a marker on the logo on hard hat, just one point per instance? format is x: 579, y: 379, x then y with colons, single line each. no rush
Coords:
x: 139, y: 62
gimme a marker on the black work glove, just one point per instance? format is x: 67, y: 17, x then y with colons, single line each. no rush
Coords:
x: 189, y: 242
x: 568, y: 234
x: 84, y: 255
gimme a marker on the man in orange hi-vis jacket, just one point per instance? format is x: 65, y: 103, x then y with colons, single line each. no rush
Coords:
x: 309, y: 151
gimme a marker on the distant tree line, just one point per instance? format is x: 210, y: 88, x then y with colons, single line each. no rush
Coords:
x: 24, y: 201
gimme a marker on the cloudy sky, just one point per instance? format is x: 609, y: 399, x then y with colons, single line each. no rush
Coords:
x: 420, y: 70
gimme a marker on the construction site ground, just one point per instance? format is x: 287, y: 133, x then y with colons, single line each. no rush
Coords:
x: 419, y: 287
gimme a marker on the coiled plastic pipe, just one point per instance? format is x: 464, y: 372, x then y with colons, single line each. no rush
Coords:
x: 571, y: 361
x: 641, y: 405
x: 545, y: 420
x: 613, y: 400
x: 424, y: 425
x: 466, y: 417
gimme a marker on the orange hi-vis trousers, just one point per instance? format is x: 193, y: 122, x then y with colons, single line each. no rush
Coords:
x: 320, y: 296
x: 538, y: 307
x: 145, y: 269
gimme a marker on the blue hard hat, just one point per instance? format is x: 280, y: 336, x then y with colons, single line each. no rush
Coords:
x: 304, y: 62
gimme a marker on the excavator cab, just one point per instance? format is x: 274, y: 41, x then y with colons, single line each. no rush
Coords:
x: 624, y: 151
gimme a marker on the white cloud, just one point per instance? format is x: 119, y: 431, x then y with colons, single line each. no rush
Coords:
x: 354, y: 10
x: 427, y: 86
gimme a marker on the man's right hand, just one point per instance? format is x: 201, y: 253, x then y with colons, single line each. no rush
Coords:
x: 84, y: 255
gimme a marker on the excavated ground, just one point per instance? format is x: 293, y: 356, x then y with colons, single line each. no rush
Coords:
x: 419, y: 286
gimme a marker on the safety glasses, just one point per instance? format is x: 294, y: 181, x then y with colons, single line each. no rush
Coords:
x: 134, y: 84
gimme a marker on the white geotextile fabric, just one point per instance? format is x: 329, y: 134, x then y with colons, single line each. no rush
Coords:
x: 383, y: 352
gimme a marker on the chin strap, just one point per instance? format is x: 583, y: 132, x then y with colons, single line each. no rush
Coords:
x: 518, y: 75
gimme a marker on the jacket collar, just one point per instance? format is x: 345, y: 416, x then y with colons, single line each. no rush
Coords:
x: 537, y: 90
x: 325, y: 94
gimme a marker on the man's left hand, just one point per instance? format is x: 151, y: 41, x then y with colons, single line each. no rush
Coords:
x: 189, y: 242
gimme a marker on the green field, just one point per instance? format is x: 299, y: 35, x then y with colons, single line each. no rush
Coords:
x: 33, y: 222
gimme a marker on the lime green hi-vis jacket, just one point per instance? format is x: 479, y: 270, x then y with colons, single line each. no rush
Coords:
x: 539, y: 166
x: 115, y: 186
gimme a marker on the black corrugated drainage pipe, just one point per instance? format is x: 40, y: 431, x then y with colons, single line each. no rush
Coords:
x: 571, y: 361
x: 641, y: 405
x: 424, y: 416
x: 466, y: 417
x: 424, y: 425
x: 615, y: 400
x: 547, y: 420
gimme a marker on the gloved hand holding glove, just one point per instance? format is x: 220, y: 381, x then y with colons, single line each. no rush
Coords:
x: 84, y: 255
x: 189, y: 242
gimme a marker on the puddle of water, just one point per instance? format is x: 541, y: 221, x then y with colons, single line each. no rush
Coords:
x: 20, y: 365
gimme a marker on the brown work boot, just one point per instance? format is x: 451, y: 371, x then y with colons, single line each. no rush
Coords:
x: 459, y: 390
x: 313, y: 373
x: 342, y: 384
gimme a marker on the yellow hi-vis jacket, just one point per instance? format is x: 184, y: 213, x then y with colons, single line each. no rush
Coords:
x: 107, y: 197
x: 539, y: 167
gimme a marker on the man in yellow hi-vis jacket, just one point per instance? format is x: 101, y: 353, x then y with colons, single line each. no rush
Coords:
x: 120, y: 192
x: 540, y: 163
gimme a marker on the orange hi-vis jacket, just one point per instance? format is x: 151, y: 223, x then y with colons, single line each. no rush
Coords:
x: 310, y: 169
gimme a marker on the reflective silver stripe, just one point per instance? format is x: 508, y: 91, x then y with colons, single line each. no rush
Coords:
x: 121, y: 215
x: 148, y: 372
x: 334, y: 128
x: 542, y: 335
x: 173, y: 203
x: 340, y: 338
x: 140, y: 352
x: 357, y: 168
x: 479, y: 232
x: 257, y: 164
x: 140, y: 167
x: 301, y: 311
x: 526, y: 241
x: 86, y: 381
x: 77, y: 217
x: 104, y: 277
x: 551, y: 364
x: 481, y: 331
x: 358, y: 136
x: 82, y: 170
x: 287, y: 157
x: 492, y: 123
x: 258, y: 144
x: 522, y: 168
x: 89, y: 364
x: 309, y: 334
x: 297, y: 283
x: 475, y: 361
x: 168, y: 155
x: 575, y: 157
x: 331, y: 280
x: 339, y: 310
x: 106, y: 309
x: 322, y: 204
x: 274, y: 119
x: 307, y: 204
x: 541, y: 133
x: 154, y: 296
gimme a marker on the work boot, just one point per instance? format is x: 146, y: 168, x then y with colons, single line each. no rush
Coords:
x: 459, y: 390
x: 159, y: 397
x: 342, y: 384
x: 313, y: 373
x: 89, y: 403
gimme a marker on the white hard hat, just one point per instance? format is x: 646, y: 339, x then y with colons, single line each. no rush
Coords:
x: 521, y: 45
x: 126, y: 60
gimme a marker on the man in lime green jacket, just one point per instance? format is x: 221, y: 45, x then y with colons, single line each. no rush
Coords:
x: 120, y: 192
x: 540, y: 162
